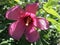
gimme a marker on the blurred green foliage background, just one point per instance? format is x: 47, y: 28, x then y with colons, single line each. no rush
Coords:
x: 49, y: 9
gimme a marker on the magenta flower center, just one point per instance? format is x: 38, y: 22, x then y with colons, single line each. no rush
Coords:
x: 28, y: 20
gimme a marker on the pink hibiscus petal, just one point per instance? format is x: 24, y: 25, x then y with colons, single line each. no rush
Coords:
x: 17, y: 29
x: 14, y: 13
x: 34, y: 21
x: 32, y: 8
x: 30, y: 14
x: 31, y: 34
x: 42, y: 23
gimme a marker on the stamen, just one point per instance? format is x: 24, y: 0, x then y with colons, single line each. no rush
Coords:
x: 28, y: 21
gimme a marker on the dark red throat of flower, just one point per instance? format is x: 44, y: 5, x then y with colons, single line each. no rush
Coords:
x: 28, y: 20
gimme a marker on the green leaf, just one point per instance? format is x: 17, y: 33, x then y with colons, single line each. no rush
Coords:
x: 39, y: 42
x: 23, y: 41
x: 50, y: 3
x: 19, y: 2
x: 4, y: 42
x: 2, y: 26
x: 55, y: 23
x: 48, y: 8
x: 51, y: 11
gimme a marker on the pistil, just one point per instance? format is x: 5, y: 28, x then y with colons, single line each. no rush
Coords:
x: 28, y: 21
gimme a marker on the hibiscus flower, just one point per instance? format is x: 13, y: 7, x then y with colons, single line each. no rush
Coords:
x: 26, y: 22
